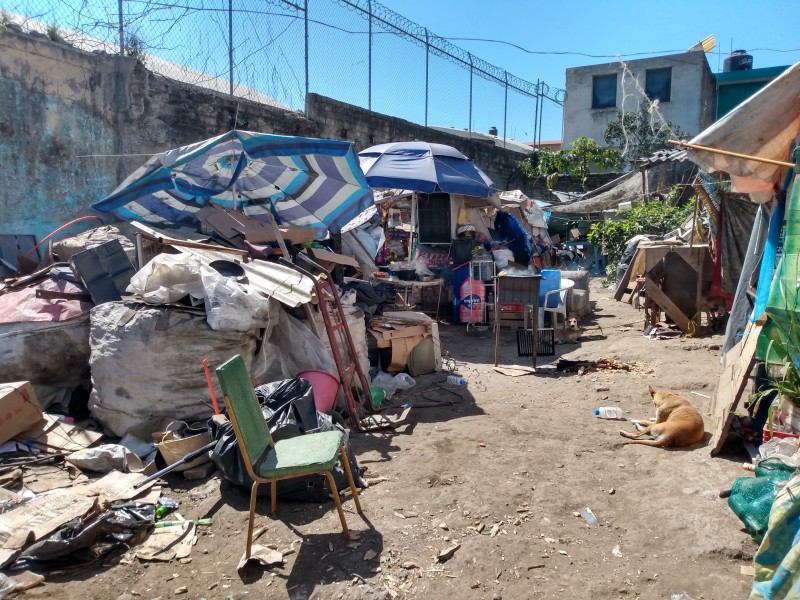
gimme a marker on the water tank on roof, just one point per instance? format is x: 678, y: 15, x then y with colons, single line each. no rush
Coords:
x: 739, y: 60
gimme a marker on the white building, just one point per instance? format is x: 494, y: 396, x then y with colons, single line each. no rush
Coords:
x: 683, y: 84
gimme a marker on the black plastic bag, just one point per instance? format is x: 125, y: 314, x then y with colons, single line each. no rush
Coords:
x: 288, y: 406
x: 289, y: 421
x: 80, y: 542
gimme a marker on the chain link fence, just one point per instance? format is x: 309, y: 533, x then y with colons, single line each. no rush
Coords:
x: 276, y: 51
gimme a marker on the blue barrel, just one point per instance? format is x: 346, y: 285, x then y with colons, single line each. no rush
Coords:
x: 551, y: 280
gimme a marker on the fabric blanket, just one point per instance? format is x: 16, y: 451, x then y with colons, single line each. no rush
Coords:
x: 777, y: 562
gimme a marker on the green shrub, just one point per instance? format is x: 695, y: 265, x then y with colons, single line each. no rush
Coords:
x: 655, y: 217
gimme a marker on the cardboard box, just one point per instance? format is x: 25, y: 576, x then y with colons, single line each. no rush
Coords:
x: 19, y: 409
x: 574, y: 234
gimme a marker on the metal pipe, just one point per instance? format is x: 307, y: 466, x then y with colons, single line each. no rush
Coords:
x: 369, y: 80
x: 427, y: 57
x: 536, y: 115
x: 305, y: 20
x: 505, y: 109
x: 469, y: 54
x: 121, y: 30
x: 230, y: 45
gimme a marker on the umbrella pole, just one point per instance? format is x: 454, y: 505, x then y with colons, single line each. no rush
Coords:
x: 279, y: 237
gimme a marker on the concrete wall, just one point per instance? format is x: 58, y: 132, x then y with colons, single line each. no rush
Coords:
x: 74, y: 124
x: 61, y: 107
x: 339, y: 121
x: 692, y: 99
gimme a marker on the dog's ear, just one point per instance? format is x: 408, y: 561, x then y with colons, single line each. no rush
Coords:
x: 651, y: 390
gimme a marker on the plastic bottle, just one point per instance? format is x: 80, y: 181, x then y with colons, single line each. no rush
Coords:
x: 588, y: 516
x: 456, y: 380
x: 608, y: 412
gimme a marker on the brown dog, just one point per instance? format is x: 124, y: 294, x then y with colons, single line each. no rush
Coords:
x: 677, y: 423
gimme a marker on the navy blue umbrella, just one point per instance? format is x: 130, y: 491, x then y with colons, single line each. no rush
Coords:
x: 424, y: 167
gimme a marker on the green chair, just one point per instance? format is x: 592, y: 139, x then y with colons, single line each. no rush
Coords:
x: 268, y: 461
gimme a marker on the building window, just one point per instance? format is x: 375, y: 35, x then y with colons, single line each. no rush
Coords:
x: 658, y: 84
x: 604, y: 91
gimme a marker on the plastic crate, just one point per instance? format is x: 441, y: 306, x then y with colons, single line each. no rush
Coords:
x: 765, y: 436
x: 545, y: 342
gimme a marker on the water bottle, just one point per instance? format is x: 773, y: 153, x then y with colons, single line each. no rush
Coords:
x: 608, y: 412
x: 456, y: 380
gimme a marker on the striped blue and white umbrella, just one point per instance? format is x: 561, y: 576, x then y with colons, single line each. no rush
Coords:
x: 301, y: 181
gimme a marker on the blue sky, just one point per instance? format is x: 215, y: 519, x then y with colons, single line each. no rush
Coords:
x: 606, y: 28
x: 269, y: 46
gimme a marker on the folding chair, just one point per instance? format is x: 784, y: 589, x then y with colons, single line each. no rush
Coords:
x: 268, y: 461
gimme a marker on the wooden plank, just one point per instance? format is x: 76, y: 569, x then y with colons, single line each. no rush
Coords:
x: 626, y: 278
x: 658, y: 296
x: 738, y: 363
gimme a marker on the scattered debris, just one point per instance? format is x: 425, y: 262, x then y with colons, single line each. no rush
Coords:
x: 264, y: 556
x: 370, y: 554
x: 448, y: 553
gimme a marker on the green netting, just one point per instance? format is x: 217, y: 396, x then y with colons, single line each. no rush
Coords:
x: 752, y: 497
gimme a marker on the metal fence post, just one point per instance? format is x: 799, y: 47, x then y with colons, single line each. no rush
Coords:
x: 427, y: 57
x: 121, y: 30
x: 536, y: 114
x: 369, y: 66
x: 305, y: 20
x: 230, y: 45
x: 505, y: 108
x: 469, y: 55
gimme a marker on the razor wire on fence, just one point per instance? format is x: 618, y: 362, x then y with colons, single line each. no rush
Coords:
x: 277, y: 51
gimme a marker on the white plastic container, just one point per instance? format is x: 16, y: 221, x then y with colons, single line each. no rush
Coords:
x: 608, y: 412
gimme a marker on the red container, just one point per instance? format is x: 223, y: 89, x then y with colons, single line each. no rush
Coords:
x: 765, y: 436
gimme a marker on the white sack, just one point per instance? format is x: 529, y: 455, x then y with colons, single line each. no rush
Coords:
x: 147, y: 365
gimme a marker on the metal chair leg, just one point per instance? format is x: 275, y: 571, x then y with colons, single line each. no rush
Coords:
x: 253, y: 498
x: 273, y: 494
x: 338, y: 501
x: 352, y: 483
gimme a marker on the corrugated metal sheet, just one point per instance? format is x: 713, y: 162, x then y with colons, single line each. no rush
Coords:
x: 271, y: 279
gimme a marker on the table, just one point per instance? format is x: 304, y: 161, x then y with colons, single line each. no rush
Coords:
x: 404, y: 289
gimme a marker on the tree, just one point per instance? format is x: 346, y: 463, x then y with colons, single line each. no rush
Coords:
x: 655, y: 217
x: 583, y: 154
x: 639, y: 134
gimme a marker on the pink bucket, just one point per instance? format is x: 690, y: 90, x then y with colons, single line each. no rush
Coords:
x: 325, y: 387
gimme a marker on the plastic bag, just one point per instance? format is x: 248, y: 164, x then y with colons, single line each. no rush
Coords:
x: 401, y: 381
x: 232, y: 306
x: 421, y: 268
x: 502, y: 257
x: 7, y: 585
x: 168, y: 278
x: 78, y: 541
x: 288, y: 406
x: 106, y: 458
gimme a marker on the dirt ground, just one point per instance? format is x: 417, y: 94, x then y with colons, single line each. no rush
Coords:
x: 517, y: 456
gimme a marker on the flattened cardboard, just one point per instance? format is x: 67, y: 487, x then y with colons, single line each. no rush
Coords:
x: 264, y: 234
x: 50, y: 434
x: 324, y: 256
x: 19, y: 409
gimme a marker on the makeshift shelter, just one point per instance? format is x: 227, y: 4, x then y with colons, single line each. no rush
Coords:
x: 752, y: 143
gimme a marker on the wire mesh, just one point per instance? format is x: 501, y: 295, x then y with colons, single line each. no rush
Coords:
x: 273, y: 51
